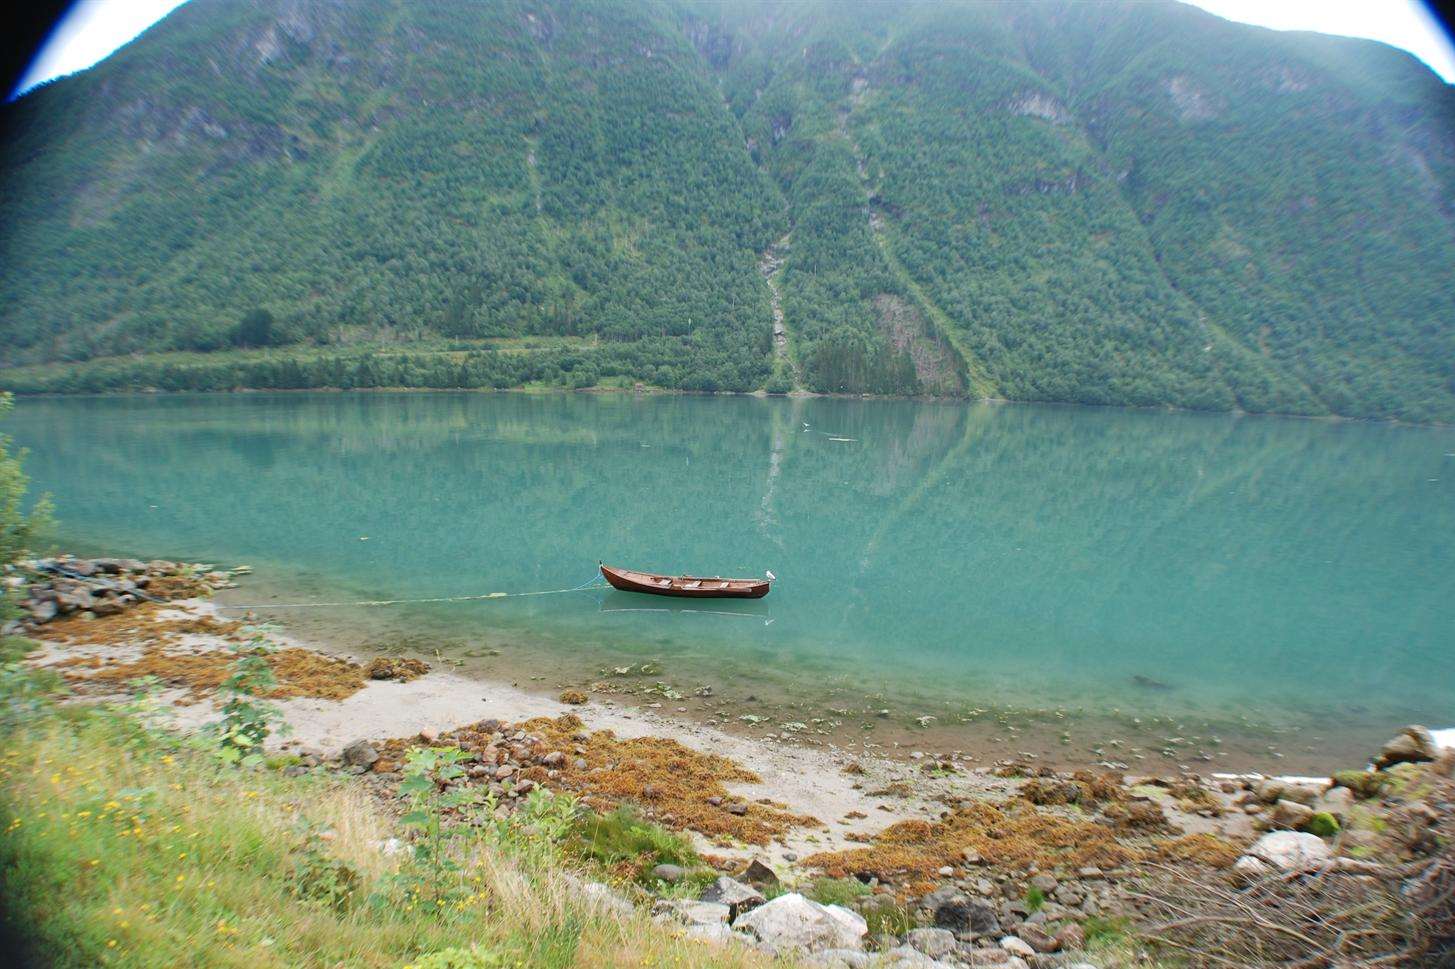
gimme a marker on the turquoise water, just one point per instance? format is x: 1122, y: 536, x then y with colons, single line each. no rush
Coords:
x: 1032, y: 577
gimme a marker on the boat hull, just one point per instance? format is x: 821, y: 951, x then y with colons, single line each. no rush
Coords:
x: 685, y: 586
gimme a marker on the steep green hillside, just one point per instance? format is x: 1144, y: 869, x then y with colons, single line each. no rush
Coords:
x: 1137, y: 204
x: 370, y: 169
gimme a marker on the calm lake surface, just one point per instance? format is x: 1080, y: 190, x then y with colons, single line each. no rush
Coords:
x: 1134, y: 587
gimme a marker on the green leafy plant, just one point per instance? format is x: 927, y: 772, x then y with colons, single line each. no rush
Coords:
x: 18, y: 528
x: 319, y: 877
x: 547, y: 817
x: 471, y: 958
x: 247, y: 720
x: 430, y: 880
x: 1035, y: 899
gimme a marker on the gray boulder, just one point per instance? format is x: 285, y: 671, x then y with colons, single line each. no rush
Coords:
x: 360, y: 753
x: 78, y: 600
x: 1071, y: 936
x: 717, y: 933
x: 599, y: 896
x: 689, y: 912
x: 963, y: 916
x: 1273, y: 790
x: 1046, y: 884
x: 671, y: 874
x: 1414, y: 745
x: 838, y: 959
x: 996, y: 957
x: 1284, y: 851
x: 905, y: 957
x: 793, y: 922
x: 1290, y: 814
x: 1038, y: 938
x: 1337, y: 801
x: 734, y: 894
x: 935, y: 943
x: 758, y: 873
x: 1018, y: 947
x: 972, y: 956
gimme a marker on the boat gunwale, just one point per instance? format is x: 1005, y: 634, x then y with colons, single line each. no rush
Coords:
x: 684, y: 585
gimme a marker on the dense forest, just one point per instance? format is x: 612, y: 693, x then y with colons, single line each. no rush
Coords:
x: 1102, y: 203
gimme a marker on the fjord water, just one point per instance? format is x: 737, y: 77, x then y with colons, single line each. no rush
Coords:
x: 1040, y: 578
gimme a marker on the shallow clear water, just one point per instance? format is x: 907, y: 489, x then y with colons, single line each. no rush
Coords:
x: 1020, y: 571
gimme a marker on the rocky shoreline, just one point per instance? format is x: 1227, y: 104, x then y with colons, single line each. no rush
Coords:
x: 64, y: 585
x: 919, y: 863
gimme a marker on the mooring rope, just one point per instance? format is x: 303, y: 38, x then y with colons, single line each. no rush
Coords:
x: 593, y: 583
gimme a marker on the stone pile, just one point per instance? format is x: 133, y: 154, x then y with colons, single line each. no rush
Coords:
x: 965, y: 931
x: 1324, y: 807
x: 52, y: 588
x: 507, y: 761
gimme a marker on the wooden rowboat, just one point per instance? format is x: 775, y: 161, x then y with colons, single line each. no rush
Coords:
x: 691, y: 586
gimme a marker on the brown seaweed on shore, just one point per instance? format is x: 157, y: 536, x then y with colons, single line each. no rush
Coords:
x: 145, y: 622
x: 667, y: 781
x: 910, y: 853
x: 159, y: 636
x: 1202, y: 848
x: 395, y: 668
x: 1084, y: 788
x: 299, y: 672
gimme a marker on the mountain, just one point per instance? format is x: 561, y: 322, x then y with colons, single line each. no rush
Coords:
x: 1116, y: 204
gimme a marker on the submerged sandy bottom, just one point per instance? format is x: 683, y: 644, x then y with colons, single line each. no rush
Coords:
x: 751, y: 697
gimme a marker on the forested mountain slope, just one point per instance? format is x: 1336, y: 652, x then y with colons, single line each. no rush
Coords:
x: 1126, y: 204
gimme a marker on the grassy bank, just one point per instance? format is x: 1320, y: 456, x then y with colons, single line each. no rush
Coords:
x: 127, y: 845
x: 519, y: 362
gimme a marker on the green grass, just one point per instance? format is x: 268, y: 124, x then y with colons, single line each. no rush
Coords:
x: 14, y: 648
x: 836, y: 891
x: 893, y: 920
x: 124, y: 846
x: 624, y: 842
x: 1107, y: 929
